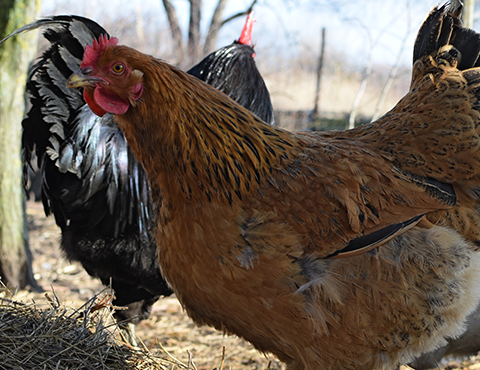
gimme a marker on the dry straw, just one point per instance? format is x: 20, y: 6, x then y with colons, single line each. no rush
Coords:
x: 49, y: 335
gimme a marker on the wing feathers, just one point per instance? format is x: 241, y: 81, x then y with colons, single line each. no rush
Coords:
x: 367, y: 242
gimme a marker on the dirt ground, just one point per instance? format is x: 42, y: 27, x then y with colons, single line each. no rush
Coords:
x: 168, y: 324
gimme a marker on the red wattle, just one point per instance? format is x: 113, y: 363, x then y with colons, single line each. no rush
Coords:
x: 93, y: 105
x: 109, y: 101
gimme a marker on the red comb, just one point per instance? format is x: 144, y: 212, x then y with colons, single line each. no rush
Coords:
x: 92, y: 53
x: 246, y: 36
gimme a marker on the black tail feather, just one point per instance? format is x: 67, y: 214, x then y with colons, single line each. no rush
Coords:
x: 443, y: 27
x: 428, y: 35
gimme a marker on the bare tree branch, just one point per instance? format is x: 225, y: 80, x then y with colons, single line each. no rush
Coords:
x: 214, y: 27
x: 316, y: 108
x: 368, y: 69
x: 194, y: 37
x: 366, y: 75
x: 240, y: 14
x: 175, y: 30
x: 217, y: 24
x: 393, y: 71
x: 194, y: 30
x: 363, y: 86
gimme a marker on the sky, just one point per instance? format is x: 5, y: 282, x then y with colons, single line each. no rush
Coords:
x: 356, y: 28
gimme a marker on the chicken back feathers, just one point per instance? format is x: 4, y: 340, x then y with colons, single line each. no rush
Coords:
x: 443, y: 116
x: 249, y: 215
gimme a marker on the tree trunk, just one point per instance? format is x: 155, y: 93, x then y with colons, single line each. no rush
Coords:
x: 175, y: 30
x: 15, y: 55
x: 194, y: 31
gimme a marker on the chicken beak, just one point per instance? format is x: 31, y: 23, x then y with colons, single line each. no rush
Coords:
x: 78, y: 79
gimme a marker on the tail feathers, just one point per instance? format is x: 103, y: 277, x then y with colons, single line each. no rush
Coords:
x: 53, y: 107
x: 88, y: 172
x: 68, y: 21
x: 473, y: 77
x: 428, y: 36
x: 33, y: 26
x: 467, y: 42
x: 443, y: 28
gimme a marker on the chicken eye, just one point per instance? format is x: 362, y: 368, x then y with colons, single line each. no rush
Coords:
x: 118, y: 68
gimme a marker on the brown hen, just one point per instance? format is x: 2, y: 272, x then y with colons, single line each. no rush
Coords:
x: 255, y: 223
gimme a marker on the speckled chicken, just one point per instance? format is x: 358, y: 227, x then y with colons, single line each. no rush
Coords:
x: 317, y: 247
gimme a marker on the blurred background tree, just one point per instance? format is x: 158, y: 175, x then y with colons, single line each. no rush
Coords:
x: 194, y: 35
x: 15, y: 57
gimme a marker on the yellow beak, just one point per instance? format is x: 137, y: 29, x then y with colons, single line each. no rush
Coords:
x: 78, y: 79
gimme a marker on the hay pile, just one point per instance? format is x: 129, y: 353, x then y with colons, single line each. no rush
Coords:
x: 49, y: 335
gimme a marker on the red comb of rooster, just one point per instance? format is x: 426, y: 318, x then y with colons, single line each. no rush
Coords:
x: 246, y: 36
x: 92, y: 53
